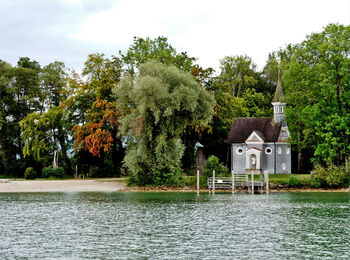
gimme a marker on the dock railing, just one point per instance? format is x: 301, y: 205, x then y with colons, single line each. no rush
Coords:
x: 227, y: 182
x: 237, y: 180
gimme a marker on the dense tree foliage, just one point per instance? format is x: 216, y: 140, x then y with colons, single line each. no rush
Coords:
x: 157, y: 103
x: 97, y: 128
x: 160, y: 103
x: 318, y: 94
x: 240, y: 91
x: 144, y: 50
x: 47, y: 129
x: 21, y: 94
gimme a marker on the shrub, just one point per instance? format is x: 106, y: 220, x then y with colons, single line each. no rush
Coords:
x: 306, y: 182
x: 294, y: 182
x: 336, y: 176
x: 333, y: 176
x: 316, y: 182
x: 30, y: 173
x: 58, y: 172
x: 166, y: 177
x: 47, y: 172
x: 213, y: 164
x: 133, y: 180
x: 191, y: 181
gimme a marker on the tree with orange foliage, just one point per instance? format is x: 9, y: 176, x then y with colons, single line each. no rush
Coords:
x: 96, y: 135
x: 96, y: 113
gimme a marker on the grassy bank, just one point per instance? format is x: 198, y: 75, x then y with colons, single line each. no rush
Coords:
x: 283, y: 180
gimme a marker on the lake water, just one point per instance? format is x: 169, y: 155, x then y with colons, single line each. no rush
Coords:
x: 174, y: 226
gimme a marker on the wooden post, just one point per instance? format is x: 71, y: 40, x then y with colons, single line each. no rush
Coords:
x: 233, y: 182
x: 266, y: 179
x: 252, y: 182
x: 197, y: 181
x: 213, y: 189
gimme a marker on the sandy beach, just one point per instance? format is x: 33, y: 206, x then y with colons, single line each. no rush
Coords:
x: 111, y: 185
x: 90, y: 185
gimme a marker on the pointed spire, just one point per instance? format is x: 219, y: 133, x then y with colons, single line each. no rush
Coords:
x: 278, y: 97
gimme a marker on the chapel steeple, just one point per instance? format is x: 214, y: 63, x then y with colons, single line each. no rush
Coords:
x: 278, y: 99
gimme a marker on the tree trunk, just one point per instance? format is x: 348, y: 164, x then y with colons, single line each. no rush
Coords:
x: 300, y: 161
x: 117, y: 152
x: 62, y: 141
x: 233, y: 86
x: 188, y: 138
x: 228, y: 163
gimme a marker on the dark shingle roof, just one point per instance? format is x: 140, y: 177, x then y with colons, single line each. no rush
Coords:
x: 243, y: 127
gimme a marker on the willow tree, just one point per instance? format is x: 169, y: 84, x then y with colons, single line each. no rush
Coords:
x: 159, y: 49
x: 159, y: 104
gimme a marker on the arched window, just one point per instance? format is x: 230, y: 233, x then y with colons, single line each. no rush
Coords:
x: 281, y: 109
x: 283, y: 166
x: 279, y: 150
x: 252, y: 161
x: 276, y: 109
x: 288, y: 150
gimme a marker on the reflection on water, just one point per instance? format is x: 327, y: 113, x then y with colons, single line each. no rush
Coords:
x: 174, y: 226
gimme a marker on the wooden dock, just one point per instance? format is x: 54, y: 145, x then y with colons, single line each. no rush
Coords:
x: 238, y: 180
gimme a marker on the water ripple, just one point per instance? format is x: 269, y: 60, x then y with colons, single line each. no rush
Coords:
x: 174, y: 226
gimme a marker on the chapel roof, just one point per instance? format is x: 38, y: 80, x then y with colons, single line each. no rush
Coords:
x: 243, y: 127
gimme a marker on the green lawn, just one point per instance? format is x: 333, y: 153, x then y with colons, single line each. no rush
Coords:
x: 303, y: 179
x: 283, y: 178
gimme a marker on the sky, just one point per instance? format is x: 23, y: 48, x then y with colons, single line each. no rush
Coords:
x: 69, y: 30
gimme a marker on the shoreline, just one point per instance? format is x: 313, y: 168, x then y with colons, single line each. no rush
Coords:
x: 189, y: 189
x: 117, y: 185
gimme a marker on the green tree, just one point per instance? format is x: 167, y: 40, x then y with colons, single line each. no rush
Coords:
x: 54, y: 80
x: 160, y: 104
x: 144, y: 50
x: 317, y: 89
x: 96, y: 130
x: 158, y: 49
x: 48, y: 130
x: 237, y: 74
x: 236, y: 93
x: 20, y: 95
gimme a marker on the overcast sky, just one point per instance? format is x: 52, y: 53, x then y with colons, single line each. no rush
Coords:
x: 69, y: 30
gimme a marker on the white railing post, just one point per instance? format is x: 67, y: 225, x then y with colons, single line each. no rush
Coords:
x: 197, y: 181
x: 266, y: 179
x: 233, y: 182
x: 252, y: 182
x: 213, y: 188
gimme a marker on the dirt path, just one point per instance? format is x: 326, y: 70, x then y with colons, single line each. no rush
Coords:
x: 93, y: 185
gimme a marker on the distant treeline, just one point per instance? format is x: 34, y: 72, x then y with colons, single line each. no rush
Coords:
x: 145, y: 109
